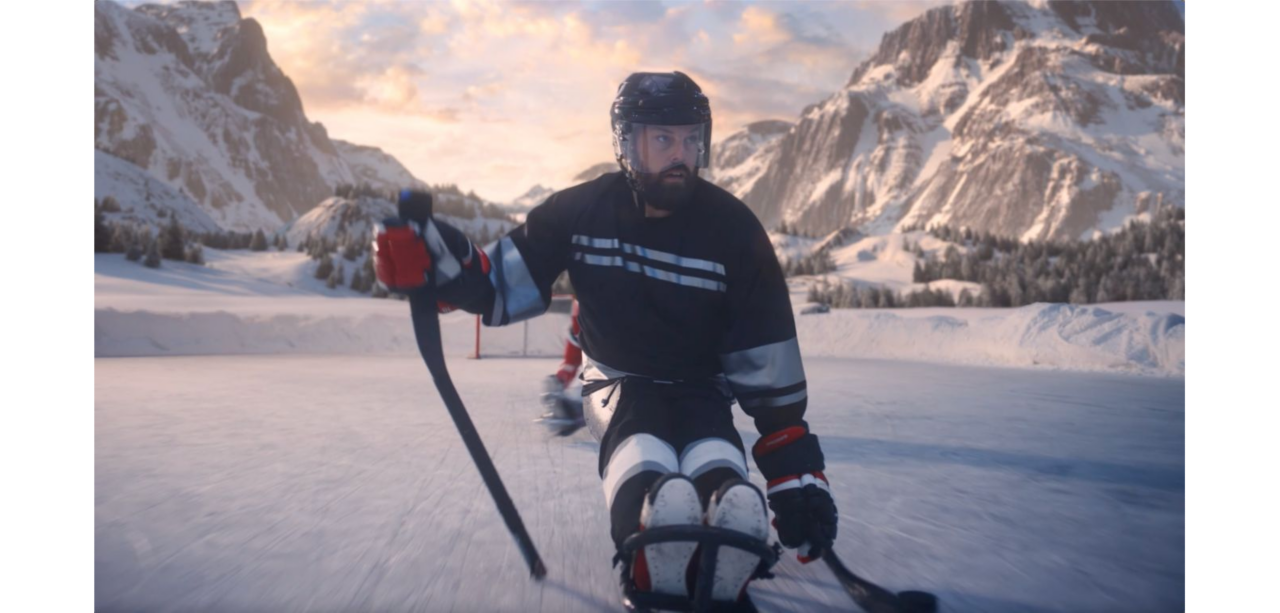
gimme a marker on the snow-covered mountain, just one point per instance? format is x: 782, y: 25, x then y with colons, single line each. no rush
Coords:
x: 188, y: 92
x: 595, y: 171
x: 337, y: 219
x: 521, y: 206
x: 376, y: 168
x: 143, y: 199
x: 1036, y: 120
x: 735, y: 165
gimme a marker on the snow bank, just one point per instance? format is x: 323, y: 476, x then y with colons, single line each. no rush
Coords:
x: 1064, y: 336
x: 252, y: 304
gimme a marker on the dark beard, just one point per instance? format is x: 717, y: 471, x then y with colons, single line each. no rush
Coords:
x: 666, y: 195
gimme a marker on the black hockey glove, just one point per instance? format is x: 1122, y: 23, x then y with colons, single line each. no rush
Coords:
x: 805, y: 514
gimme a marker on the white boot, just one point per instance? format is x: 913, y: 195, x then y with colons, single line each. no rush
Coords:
x: 737, y: 505
x: 672, y: 501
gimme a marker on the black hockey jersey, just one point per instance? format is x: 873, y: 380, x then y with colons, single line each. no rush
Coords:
x: 684, y: 297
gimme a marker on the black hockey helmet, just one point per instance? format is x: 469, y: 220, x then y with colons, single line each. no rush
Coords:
x: 657, y: 99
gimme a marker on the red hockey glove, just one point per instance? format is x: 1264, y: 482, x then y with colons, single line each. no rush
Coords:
x: 401, y: 257
x: 405, y: 251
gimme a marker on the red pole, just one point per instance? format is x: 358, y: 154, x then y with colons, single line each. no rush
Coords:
x: 477, y: 353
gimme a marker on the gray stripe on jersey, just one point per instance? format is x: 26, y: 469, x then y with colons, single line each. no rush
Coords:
x: 651, y: 272
x: 516, y: 295
x: 763, y: 368
x: 652, y: 254
x: 779, y: 401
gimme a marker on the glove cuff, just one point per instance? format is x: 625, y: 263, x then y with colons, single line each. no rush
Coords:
x: 788, y: 453
x: 793, y: 482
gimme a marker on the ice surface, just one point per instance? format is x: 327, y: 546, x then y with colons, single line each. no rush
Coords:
x: 337, y: 483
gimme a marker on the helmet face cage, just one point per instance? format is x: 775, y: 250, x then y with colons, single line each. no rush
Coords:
x: 652, y: 148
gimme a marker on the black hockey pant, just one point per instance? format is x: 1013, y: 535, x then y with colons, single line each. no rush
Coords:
x: 657, y: 428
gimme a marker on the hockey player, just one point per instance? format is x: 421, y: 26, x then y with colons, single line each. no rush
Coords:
x: 683, y: 309
x: 561, y: 398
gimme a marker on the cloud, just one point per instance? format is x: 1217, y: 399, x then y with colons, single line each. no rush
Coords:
x: 900, y: 11
x: 459, y: 89
x: 340, y: 54
x: 760, y: 26
x: 725, y: 10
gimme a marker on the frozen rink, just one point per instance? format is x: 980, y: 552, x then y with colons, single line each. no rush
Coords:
x: 338, y: 483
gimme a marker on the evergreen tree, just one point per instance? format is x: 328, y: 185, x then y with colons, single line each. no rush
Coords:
x: 152, y: 259
x: 335, y: 277
x: 101, y: 233
x: 1178, y: 288
x: 172, y: 246
x: 366, y: 268
x: 351, y: 250
x: 867, y: 297
x: 986, y: 252
x: 259, y: 241
x: 195, y: 254
x: 951, y: 256
x: 968, y: 268
x: 121, y: 238
x: 325, y: 268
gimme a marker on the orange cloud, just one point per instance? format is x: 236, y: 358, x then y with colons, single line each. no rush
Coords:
x: 760, y: 26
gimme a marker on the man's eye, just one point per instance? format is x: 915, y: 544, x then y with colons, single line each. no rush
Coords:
x: 663, y: 138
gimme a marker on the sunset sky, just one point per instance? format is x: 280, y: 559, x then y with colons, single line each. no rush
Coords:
x: 497, y: 96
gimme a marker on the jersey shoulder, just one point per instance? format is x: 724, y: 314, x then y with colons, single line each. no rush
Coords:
x: 585, y: 193
x: 727, y: 207
x: 561, y: 209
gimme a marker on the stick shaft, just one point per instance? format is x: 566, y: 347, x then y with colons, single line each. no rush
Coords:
x: 426, y: 328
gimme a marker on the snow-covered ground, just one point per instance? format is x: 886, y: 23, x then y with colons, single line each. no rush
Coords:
x: 262, y: 443
x: 245, y: 302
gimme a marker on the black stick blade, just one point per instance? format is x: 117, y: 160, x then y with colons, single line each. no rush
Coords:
x: 914, y: 601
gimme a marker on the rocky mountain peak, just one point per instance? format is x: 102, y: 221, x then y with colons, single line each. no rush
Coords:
x: 189, y: 93
x: 201, y: 24
x: 977, y: 28
x: 1037, y: 120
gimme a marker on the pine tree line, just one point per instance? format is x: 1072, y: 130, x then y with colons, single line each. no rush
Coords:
x: 137, y: 242
x: 362, y: 190
x: 816, y: 263
x: 793, y: 230
x: 1142, y: 261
